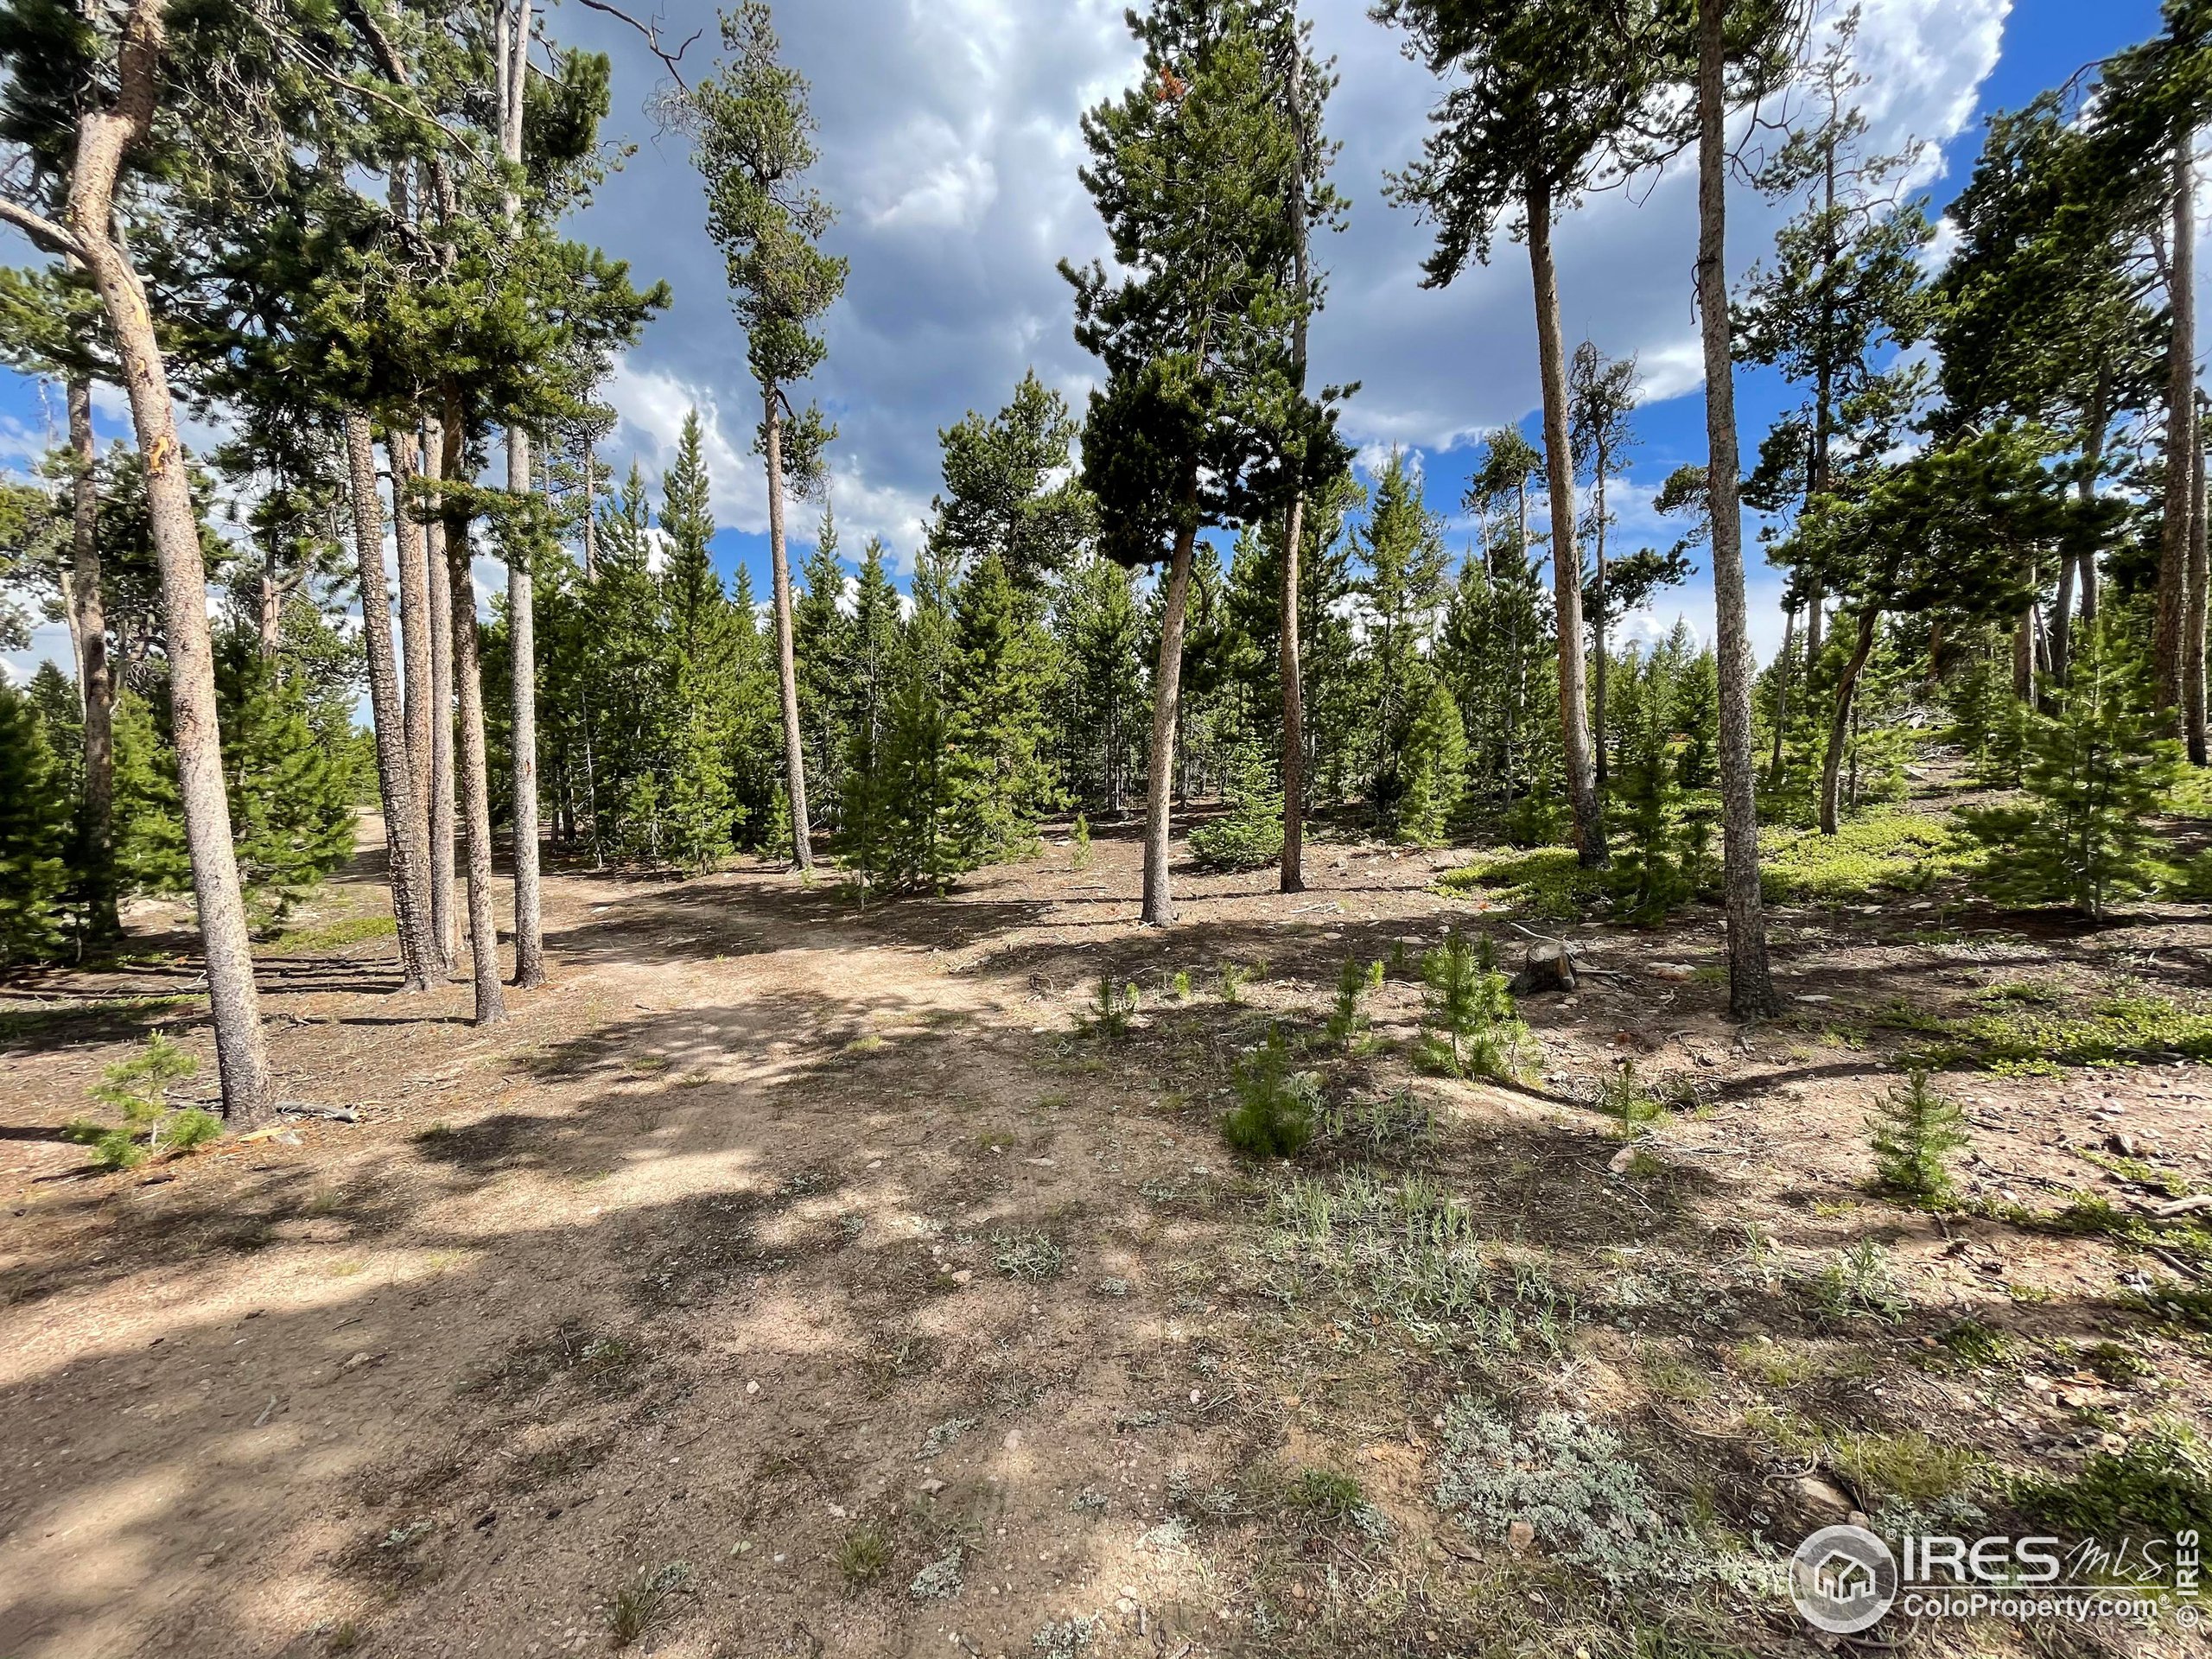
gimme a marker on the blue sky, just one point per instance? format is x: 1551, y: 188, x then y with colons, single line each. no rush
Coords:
x: 948, y: 142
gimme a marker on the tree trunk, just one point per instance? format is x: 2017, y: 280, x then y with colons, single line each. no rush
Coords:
x: 407, y: 531
x: 591, y: 520
x: 103, y: 135
x: 2024, y: 656
x: 786, y: 663
x: 1751, y: 983
x: 2093, y: 453
x: 1159, y: 906
x: 1293, y: 708
x: 2166, y: 650
x: 522, y: 636
x: 95, y: 682
x: 1597, y: 624
x: 1782, y: 667
x: 1846, y: 687
x: 435, y: 557
x: 406, y: 845
x: 472, y: 773
x: 2192, y: 633
x: 522, y: 627
x: 1567, y: 557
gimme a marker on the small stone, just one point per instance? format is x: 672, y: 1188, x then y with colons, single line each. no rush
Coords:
x: 933, y: 1486
x: 752, y: 1387
x: 1823, y: 1500
x: 1519, y: 1536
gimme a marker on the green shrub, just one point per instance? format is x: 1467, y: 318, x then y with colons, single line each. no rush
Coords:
x: 1274, y: 1117
x: 1623, y: 1098
x: 2160, y: 1485
x: 1249, y: 835
x: 1079, y: 844
x: 1472, y: 1029
x: 1914, y: 1131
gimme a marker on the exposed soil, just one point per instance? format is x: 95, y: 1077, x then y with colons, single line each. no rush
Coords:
x: 806, y: 1249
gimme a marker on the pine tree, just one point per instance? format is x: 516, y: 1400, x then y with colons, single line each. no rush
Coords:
x: 822, y: 637
x: 1914, y: 1131
x: 34, y: 833
x: 1099, y: 704
x: 2099, y: 770
x: 999, y: 781
x: 1435, y: 766
x: 1249, y: 835
x: 1403, y: 595
x: 291, y: 791
x: 1470, y: 1027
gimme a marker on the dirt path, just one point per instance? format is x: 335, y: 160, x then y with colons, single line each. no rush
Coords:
x: 806, y: 1283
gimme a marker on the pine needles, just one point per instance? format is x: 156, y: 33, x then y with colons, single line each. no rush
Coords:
x: 1275, y: 1114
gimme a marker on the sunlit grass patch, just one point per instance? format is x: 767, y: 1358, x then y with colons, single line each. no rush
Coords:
x: 1879, y: 854
x: 1543, y: 881
x: 328, y: 935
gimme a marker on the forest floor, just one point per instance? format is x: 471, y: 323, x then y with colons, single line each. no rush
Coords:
x: 784, y: 1280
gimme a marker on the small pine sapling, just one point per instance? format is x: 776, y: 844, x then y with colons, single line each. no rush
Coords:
x: 1914, y: 1131
x: 1472, y: 1027
x: 1275, y: 1114
x: 1181, y: 983
x: 1623, y: 1098
x: 1348, y: 1021
x: 1113, y: 1008
x: 1079, y: 844
x: 1232, y: 982
x: 138, y: 1088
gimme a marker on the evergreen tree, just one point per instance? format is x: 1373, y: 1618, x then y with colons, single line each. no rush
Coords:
x: 1435, y: 766
x: 150, y: 855
x: 822, y: 637
x: 1403, y: 595
x: 1099, y: 691
x: 34, y: 833
x: 696, y: 807
x: 1248, y: 836
x: 998, y: 778
x: 2099, y: 770
x: 292, y: 796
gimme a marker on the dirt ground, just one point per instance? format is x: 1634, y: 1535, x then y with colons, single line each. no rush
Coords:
x: 784, y: 1280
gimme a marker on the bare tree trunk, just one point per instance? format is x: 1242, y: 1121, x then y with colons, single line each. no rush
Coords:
x: 2166, y: 650
x: 2192, y: 633
x: 435, y: 556
x: 1159, y: 906
x: 522, y: 622
x: 406, y: 845
x: 2061, y: 613
x: 1782, y: 667
x: 473, y: 772
x: 786, y: 663
x: 1846, y: 688
x: 103, y: 136
x: 407, y: 530
x: 2093, y: 453
x: 2024, y: 656
x: 1597, y: 624
x: 591, y: 520
x: 1751, y: 981
x: 1567, y: 557
x: 522, y: 636
x: 1293, y: 707
x: 95, y: 682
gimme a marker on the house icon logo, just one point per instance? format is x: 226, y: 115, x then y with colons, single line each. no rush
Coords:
x: 1843, y: 1579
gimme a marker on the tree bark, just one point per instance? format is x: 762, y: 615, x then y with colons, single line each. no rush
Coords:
x: 1598, y: 622
x: 786, y: 662
x: 1846, y: 688
x: 1158, y: 906
x: 473, y: 771
x: 2166, y: 650
x: 522, y: 622
x: 103, y: 135
x: 1293, y: 707
x: 1566, y: 557
x: 441, y: 790
x: 95, y: 680
x: 1751, y: 981
x: 2192, y: 634
x: 406, y: 845
x: 522, y: 636
x: 407, y: 530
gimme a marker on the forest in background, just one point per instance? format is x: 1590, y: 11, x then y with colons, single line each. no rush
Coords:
x: 337, y: 233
